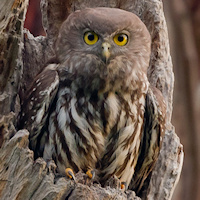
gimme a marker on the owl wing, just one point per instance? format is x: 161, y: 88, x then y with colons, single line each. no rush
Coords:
x: 151, y: 141
x: 37, y: 103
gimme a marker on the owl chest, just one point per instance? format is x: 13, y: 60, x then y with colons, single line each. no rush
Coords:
x: 88, y: 125
x: 100, y: 113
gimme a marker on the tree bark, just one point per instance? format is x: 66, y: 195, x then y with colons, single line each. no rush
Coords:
x: 23, y: 56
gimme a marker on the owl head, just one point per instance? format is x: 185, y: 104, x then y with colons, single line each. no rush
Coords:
x: 104, y: 39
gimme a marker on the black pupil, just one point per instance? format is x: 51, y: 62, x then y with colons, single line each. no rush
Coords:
x: 120, y: 38
x: 90, y: 37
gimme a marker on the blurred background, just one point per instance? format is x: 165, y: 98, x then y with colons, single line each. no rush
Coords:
x: 183, y: 20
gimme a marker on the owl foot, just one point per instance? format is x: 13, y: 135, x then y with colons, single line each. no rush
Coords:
x: 91, y: 177
x: 69, y: 172
x: 91, y: 174
x: 123, y: 186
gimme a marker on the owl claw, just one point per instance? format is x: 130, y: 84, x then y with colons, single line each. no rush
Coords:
x: 91, y: 174
x: 123, y: 186
x: 69, y: 172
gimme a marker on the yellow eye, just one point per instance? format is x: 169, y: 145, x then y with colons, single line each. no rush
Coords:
x: 121, y: 39
x: 90, y: 37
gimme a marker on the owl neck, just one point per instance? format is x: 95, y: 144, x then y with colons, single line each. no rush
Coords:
x: 92, y: 75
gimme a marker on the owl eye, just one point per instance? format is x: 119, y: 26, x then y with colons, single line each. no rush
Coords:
x: 90, y: 37
x: 121, y: 39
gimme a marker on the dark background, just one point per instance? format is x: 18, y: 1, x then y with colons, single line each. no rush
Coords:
x: 183, y: 20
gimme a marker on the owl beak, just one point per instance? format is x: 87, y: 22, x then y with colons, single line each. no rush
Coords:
x: 106, y: 51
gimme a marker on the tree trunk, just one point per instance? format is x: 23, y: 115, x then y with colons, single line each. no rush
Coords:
x: 23, y: 56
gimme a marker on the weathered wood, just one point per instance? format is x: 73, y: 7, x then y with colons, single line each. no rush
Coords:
x: 167, y: 171
x: 23, y: 178
x: 12, y: 17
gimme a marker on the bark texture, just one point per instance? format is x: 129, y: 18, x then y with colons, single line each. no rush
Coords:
x: 23, y: 56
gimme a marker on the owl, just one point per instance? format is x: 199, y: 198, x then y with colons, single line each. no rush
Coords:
x: 93, y: 106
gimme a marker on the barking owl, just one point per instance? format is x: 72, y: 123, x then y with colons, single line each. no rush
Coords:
x: 94, y: 108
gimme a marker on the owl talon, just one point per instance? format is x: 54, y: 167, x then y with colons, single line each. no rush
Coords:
x: 91, y: 174
x: 69, y: 172
x: 123, y: 186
